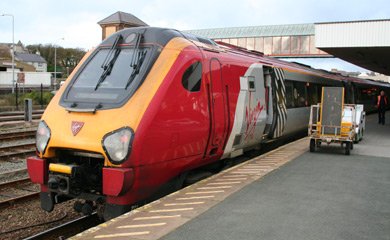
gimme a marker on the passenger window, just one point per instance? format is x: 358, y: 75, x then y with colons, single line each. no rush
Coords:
x: 313, y: 93
x: 251, y: 83
x: 289, y: 94
x: 192, y: 77
x: 299, y: 94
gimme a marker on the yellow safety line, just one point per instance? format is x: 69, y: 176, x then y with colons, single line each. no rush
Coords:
x: 156, y: 217
x: 122, y: 234
x: 206, y: 192
x: 171, y: 210
x: 183, y: 204
x: 143, y: 225
x: 222, y: 183
x: 196, y: 197
x: 205, y: 188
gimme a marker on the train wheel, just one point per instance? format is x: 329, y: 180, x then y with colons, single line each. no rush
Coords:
x: 347, y: 148
x: 312, y: 145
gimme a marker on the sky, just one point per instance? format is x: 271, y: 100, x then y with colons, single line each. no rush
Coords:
x: 47, y: 21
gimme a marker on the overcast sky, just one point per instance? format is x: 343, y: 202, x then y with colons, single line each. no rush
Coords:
x: 46, y: 21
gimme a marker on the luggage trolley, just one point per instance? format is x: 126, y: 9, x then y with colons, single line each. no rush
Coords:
x: 360, y: 123
x: 332, y: 121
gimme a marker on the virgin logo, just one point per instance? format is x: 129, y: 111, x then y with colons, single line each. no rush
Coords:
x: 76, y: 127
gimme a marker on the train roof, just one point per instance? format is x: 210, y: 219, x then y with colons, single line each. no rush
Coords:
x: 162, y: 36
x: 299, y: 66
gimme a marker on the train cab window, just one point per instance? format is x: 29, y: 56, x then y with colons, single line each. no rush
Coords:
x: 108, y: 79
x: 192, y: 77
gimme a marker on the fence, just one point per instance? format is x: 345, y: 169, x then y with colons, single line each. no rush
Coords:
x: 14, y: 101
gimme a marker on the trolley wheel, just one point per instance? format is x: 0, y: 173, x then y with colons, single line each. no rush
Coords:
x: 312, y: 145
x: 357, y: 136
x: 347, y: 148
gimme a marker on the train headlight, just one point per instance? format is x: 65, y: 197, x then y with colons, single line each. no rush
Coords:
x: 42, y: 137
x: 117, y: 144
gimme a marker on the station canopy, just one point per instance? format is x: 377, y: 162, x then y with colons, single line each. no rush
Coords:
x: 363, y: 43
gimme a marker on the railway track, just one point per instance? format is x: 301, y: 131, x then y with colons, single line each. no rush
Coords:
x: 17, y: 190
x: 19, y: 116
x: 17, y: 149
x: 17, y: 134
x: 13, y: 174
x: 68, y: 229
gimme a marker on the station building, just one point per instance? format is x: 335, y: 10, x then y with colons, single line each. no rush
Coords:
x: 364, y: 43
x: 293, y: 40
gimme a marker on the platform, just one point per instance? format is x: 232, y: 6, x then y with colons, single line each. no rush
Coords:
x: 288, y: 193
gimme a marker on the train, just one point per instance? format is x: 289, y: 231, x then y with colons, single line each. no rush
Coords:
x: 150, y: 105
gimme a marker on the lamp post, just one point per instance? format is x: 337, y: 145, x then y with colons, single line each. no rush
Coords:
x: 55, y: 62
x: 13, y: 49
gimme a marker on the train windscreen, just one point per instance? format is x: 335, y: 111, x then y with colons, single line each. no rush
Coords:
x: 109, y: 77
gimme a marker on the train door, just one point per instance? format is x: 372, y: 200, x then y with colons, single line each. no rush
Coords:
x: 250, y: 116
x: 218, y: 109
x: 277, y: 98
x: 268, y: 101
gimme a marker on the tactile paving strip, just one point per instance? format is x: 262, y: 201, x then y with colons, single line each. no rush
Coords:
x: 160, y: 217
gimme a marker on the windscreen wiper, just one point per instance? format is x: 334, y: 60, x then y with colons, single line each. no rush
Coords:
x: 107, y: 65
x: 136, y: 67
x: 137, y: 60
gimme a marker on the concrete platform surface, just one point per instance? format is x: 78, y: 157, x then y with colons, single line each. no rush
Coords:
x: 288, y: 193
x: 323, y: 195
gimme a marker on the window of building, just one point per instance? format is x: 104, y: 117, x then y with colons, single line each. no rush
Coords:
x: 276, y: 45
x: 250, y: 43
x: 294, y: 45
x: 192, y: 77
x: 285, y: 45
x: 268, y: 45
x: 304, y: 45
x: 242, y: 42
x: 259, y: 44
x: 313, y: 49
x: 234, y: 41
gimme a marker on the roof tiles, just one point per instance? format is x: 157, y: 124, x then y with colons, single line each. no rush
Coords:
x: 122, y: 17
